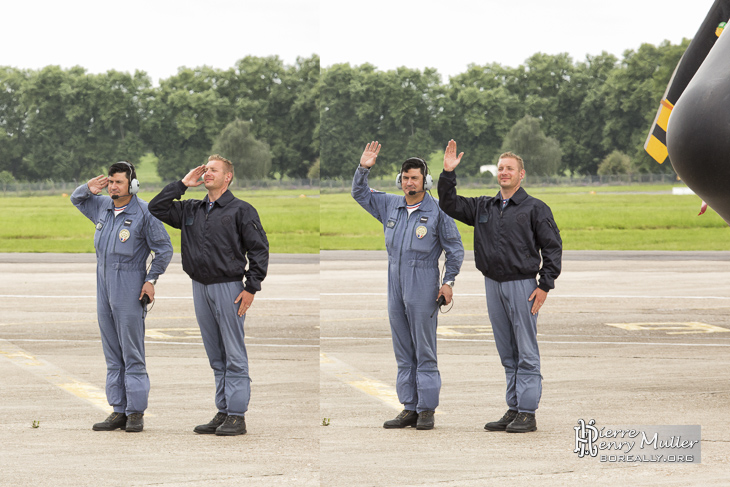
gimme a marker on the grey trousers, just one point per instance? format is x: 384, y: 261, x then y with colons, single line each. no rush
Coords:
x: 222, y: 332
x: 515, y: 333
x: 121, y: 323
x: 412, y: 291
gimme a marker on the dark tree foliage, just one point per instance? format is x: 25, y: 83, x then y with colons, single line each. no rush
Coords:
x: 68, y: 124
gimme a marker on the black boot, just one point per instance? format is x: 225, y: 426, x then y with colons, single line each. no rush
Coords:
x: 232, y: 426
x: 501, y: 425
x: 135, y: 423
x: 114, y: 421
x: 523, y: 423
x: 425, y: 420
x: 405, y: 418
x: 209, y: 429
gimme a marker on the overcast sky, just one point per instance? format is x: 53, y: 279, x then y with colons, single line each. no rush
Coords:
x: 158, y: 36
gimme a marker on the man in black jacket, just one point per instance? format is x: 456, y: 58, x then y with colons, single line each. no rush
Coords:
x: 219, y: 234
x: 513, y: 232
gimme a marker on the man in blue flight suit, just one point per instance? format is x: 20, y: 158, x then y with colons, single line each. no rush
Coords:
x: 416, y: 232
x: 221, y: 234
x: 514, y: 234
x: 125, y: 235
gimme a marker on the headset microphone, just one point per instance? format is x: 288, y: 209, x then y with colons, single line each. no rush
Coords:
x: 115, y: 196
x: 411, y: 193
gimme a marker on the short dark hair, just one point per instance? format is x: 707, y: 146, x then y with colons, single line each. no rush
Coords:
x: 126, y: 167
x: 415, y: 163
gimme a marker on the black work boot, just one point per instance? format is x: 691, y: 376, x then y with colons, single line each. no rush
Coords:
x: 232, y: 426
x: 523, y: 423
x: 114, y: 421
x: 425, y: 420
x: 135, y: 423
x: 405, y: 418
x: 209, y: 429
x: 501, y: 425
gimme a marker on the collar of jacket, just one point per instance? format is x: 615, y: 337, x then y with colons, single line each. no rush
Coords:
x: 225, y: 198
x: 132, y: 206
x: 517, y: 198
x: 425, y: 203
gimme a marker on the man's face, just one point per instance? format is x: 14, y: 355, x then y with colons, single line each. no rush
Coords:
x: 216, y: 175
x: 118, y: 185
x: 509, y: 173
x: 412, y: 180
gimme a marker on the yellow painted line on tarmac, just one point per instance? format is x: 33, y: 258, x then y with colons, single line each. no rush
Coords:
x: 357, y: 380
x: 54, y: 375
x: 464, y: 330
x: 681, y: 328
x: 148, y: 318
x: 172, y: 333
x: 385, y: 318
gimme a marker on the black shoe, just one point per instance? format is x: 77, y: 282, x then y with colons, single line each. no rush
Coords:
x: 523, y: 423
x: 135, y: 423
x: 501, y: 425
x: 425, y: 420
x: 209, y: 429
x: 232, y: 426
x: 405, y: 418
x: 114, y: 421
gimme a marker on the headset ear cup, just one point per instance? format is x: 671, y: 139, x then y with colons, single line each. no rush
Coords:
x: 398, y: 183
x: 134, y: 186
x: 428, y: 184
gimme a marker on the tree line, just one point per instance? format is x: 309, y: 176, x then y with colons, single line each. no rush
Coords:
x: 67, y: 124
x: 564, y: 117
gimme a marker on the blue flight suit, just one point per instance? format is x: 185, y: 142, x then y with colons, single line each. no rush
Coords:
x: 414, y: 244
x: 123, y: 244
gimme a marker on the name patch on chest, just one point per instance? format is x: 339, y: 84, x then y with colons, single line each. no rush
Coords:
x: 424, y: 219
x: 127, y: 223
x: 390, y: 224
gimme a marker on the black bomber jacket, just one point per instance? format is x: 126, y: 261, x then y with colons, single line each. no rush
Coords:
x: 509, y: 243
x: 216, y: 244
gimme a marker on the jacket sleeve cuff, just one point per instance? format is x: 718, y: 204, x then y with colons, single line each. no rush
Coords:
x: 450, y: 175
x: 249, y: 289
x: 544, y: 287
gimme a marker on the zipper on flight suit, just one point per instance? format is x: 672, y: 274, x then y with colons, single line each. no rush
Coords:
x: 400, y: 256
x: 106, y: 244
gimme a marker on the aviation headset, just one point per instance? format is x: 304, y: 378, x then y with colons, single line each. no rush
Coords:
x: 427, y: 179
x: 133, y: 182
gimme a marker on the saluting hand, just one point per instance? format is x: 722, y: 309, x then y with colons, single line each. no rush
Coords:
x: 192, y: 179
x: 97, y: 184
x: 370, y: 154
x: 451, y: 160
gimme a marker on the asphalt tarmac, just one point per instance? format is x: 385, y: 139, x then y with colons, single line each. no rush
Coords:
x: 627, y: 338
x: 52, y: 373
